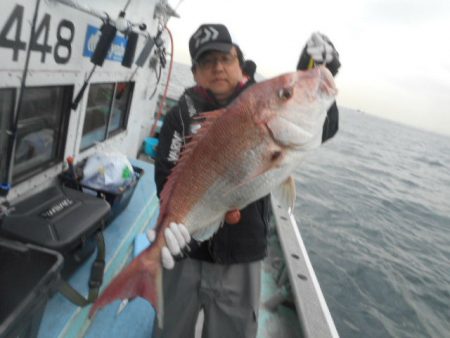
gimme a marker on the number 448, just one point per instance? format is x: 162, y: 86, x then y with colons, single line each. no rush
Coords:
x: 62, y: 49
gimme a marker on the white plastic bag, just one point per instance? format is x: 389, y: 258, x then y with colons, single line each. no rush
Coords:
x: 108, y: 171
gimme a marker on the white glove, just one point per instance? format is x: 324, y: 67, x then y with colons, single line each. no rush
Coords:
x: 320, y: 48
x: 177, y: 238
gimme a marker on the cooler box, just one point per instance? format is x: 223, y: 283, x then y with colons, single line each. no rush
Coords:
x: 28, y: 276
x: 58, y: 218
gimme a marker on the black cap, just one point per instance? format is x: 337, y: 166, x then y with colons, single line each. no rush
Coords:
x: 210, y: 37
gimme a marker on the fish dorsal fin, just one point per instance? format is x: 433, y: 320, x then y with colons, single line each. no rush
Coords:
x: 206, y: 120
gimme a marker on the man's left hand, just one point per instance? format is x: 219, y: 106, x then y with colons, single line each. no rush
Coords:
x: 320, y: 48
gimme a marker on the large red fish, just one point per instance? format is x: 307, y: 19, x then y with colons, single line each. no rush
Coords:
x: 240, y: 154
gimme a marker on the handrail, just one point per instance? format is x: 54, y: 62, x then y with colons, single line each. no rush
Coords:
x: 312, y: 309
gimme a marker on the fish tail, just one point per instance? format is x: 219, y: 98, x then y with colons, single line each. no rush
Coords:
x: 142, y: 278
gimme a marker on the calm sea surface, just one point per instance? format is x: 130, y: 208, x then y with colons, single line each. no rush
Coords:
x: 373, y: 208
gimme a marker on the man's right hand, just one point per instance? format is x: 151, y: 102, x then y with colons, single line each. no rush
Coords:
x: 177, y: 238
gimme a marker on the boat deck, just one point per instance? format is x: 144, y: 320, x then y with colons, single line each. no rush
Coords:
x: 64, y: 319
x: 277, y: 315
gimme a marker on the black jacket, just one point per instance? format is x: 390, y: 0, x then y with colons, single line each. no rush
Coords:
x: 233, y: 243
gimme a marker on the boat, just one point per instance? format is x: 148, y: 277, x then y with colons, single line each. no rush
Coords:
x: 64, y: 99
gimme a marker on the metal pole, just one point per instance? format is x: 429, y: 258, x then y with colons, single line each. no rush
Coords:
x: 13, y: 139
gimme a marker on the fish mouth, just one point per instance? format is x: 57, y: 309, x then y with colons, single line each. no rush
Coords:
x: 323, y: 80
x: 327, y: 84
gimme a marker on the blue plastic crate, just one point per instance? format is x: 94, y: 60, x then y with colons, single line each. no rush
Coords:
x: 150, y: 144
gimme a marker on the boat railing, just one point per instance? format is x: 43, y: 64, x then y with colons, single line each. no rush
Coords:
x: 312, y: 309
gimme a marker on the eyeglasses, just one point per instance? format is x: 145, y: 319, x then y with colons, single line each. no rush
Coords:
x: 208, y: 62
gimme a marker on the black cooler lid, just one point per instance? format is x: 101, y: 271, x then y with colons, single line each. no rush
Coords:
x: 57, y: 218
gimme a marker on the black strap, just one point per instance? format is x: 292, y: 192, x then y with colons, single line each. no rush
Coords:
x: 95, y: 279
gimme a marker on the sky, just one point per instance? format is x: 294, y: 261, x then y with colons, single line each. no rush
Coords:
x: 395, y: 54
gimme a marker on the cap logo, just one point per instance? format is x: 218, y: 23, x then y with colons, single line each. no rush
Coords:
x: 204, y: 35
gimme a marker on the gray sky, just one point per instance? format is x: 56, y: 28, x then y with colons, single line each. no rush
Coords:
x: 395, y: 54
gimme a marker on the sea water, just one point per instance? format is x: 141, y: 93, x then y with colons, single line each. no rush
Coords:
x: 373, y: 208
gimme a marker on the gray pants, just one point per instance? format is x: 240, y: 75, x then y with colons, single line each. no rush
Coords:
x: 228, y: 294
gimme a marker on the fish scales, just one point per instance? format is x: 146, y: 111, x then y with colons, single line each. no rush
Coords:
x: 241, y: 153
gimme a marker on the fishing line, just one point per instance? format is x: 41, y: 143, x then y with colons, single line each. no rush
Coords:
x: 182, y: 126
x: 178, y: 5
x: 126, y: 6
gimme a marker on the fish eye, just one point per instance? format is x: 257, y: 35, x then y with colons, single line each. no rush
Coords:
x: 286, y: 93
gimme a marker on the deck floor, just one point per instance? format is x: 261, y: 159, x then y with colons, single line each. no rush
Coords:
x: 281, y: 321
x: 62, y: 319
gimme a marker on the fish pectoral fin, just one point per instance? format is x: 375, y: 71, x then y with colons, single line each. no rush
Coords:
x: 207, y: 232
x: 286, y: 133
x: 286, y: 194
x: 273, y: 158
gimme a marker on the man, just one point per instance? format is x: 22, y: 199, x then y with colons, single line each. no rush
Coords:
x: 221, y: 275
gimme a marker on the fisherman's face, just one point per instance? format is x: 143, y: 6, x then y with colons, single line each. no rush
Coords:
x: 219, y: 72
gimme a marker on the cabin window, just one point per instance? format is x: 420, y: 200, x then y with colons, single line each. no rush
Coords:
x: 120, y: 108
x: 106, y: 112
x: 6, y: 112
x: 168, y: 105
x: 41, y: 129
x: 97, y: 113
